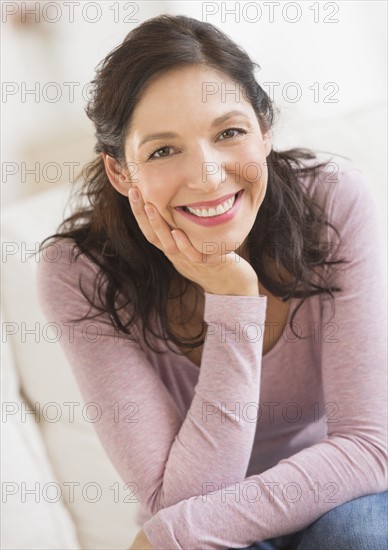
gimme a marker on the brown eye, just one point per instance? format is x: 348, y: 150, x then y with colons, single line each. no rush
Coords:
x: 239, y: 130
x: 152, y: 157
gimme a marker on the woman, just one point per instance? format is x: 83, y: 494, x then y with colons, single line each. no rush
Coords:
x: 238, y: 425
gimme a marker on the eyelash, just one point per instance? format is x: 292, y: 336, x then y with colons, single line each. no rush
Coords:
x: 169, y: 146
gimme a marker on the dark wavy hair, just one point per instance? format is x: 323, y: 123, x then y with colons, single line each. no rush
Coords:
x: 106, y: 231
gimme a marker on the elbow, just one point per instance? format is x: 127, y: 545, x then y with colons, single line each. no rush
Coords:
x: 163, y: 498
x: 157, y: 501
x: 154, y: 502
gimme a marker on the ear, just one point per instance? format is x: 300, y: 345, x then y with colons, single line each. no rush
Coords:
x: 118, y: 176
x: 267, y: 139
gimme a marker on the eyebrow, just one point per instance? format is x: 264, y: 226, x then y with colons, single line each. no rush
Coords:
x: 216, y: 122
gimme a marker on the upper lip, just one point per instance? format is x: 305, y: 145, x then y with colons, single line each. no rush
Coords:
x: 206, y: 204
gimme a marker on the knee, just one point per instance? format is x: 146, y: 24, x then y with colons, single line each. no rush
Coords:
x: 360, y: 524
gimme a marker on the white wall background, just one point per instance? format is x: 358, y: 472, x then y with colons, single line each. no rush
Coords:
x: 306, y: 42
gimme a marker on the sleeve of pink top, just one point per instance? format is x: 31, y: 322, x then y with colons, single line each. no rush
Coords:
x: 350, y: 461
x: 167, y: 457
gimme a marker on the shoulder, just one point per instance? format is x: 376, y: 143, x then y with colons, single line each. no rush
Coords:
x: 355, y: 226
x: 337, y: 176
x: 61, y: 258
x: 61, y: 269
x: 341, y: 188
x: 71, y: 285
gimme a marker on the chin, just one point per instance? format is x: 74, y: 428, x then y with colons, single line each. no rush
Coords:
x: 218, y: 247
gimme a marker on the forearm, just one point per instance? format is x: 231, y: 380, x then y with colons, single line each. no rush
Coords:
x: 214, y: 443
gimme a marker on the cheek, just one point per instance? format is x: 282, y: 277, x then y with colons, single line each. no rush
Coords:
x: 156, y: 190
x: 252, y: 165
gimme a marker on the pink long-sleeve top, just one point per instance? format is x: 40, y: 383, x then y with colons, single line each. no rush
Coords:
x: 248, y: 446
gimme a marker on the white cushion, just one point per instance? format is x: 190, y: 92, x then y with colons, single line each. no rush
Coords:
x: 74, y: 449
x: 33, y: 514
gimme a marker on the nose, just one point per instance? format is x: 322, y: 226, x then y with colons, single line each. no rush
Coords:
x: 205, y: 170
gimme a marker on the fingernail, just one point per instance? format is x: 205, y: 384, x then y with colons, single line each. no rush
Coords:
x: 133, y: 195
x: 150, y: 211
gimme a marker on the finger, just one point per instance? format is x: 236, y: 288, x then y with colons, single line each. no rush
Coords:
x: 172, y: 246
x: 137, y: 206
x: 184, y: 245
x: 162, y: 229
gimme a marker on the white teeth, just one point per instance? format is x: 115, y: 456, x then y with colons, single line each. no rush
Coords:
x: 206, y: 213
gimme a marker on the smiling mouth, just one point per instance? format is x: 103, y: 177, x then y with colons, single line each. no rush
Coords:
x: 211, y: 212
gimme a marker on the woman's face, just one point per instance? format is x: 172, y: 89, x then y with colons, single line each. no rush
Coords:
x: 205, y: 160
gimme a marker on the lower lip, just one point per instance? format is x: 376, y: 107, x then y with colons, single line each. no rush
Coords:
x: 215, y: 220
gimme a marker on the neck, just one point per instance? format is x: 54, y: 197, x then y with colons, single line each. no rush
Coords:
x: 242, y: 251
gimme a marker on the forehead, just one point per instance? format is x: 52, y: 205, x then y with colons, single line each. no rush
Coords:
x: 179, y: 91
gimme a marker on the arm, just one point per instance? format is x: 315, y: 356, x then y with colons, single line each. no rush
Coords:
x: 350, y: 461
x: 141, y: 429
